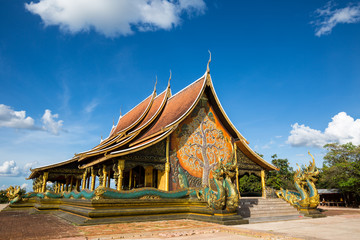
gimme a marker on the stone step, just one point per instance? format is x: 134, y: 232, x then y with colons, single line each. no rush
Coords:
x: 279, y: 211
x: 274, y: 218
x: 271, y: 209
x: 273, y: 215
x: 264, y: 207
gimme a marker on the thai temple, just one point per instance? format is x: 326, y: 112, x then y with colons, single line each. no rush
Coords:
x: 172, y: 155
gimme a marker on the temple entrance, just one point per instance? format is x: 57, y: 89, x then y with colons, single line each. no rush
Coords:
x: 138, y: 177
x: 250, y: 185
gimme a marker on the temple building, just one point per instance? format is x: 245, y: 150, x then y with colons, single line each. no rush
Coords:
x: 168, y: 141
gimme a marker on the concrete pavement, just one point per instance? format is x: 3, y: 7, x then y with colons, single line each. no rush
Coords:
x: 341, y: 223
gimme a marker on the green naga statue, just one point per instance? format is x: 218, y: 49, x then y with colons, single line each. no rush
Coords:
x: 226, y: 196
x: 306, y: 199
x: 13, y: 194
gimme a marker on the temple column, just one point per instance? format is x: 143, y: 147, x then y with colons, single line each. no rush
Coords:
x: 130, y: 179
x: 83, y: 180
x: 105, y: 175
x: 108, y: 177
x: 67, y: 184
x: 237, y: 170
x: 263, y: 183
x: 121, y: 167
x: 62, y: 187
x: 93, y: 178
x: 149, y: 176
x: 88, y: 182
x: 161, y: 180
x: 77, y: 184
x: 167, y: 164
x: 71, y: 182
x: 45, y: 178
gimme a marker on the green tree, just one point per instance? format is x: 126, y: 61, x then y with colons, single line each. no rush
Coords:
x: 3, y: 197
x: 341, y: 169
x: 282, y: 178
x: 249, y: 183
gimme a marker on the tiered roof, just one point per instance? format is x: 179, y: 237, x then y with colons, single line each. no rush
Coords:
x: 155, y: 118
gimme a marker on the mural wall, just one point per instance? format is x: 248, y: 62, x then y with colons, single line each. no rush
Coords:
x: 197, y: 146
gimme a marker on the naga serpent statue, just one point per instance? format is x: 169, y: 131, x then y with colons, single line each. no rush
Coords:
x: 13, y: 194
x: 226, y: 197
x: 307, y: 196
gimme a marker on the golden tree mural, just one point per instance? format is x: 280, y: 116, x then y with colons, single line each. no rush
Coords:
x: 203, y: 144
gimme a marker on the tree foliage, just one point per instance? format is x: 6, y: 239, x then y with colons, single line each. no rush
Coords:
x: 3, y: 197
x: 250, y: 183
x: 341, y: 168
x: 282, y: 178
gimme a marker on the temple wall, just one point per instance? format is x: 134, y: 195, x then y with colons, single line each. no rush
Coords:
x: 196, y: 146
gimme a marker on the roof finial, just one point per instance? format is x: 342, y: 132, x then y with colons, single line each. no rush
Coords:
x: 113, y: 121
x: 169, y: 78
x: 120, y: 112
x: 208, y: 68
x: 155, y: 84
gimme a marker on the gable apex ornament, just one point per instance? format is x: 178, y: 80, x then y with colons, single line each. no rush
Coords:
x: 208, y: 64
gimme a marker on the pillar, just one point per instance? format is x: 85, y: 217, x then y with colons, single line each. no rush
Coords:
x: 93, y: 178
x: 105, y: 175
x: 71, y: 183
x: 84, y: 180
x: 263, y: 183
x: 237, y: 170
x: 121, y: 167
x: 88, y: 182
x: 161, y: 180
x: 62, y: 187
x: 108, y: 177
x: 167, y: 164
x: 66, y: 184
x: 77, y: 184
x: 45, y: 178
x: 130, y: 179
x: 149, y: 176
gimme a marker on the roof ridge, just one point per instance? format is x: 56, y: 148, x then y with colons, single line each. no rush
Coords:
x: 187, y: 86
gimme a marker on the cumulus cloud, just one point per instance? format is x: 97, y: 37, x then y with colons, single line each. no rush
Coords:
x: 114, y: 17
x: 342, y: 129
x: 328, y: 17
x: 17, y: 119
x: 50, y: 124
x: 14, y: 119
x: 11, y: 169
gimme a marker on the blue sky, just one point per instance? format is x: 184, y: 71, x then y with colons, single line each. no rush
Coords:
x: 287, y: 72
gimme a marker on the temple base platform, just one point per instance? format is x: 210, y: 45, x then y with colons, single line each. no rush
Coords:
x: 107, y: 211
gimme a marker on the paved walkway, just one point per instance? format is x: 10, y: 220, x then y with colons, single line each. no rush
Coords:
x: 340, y: 224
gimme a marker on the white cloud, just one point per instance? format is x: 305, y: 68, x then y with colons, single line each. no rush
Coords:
x: 17, y: 119
x: 24, y: 185
x: 328, y: 17
x: 114, y: 17
x: 14, y: 119
x: 50, y: 124
x: 10, y: 169
x: 342, y: 129
x: 91, y: 106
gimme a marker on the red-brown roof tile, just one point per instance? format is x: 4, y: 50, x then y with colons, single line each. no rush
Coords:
x: 176, y: 107
x: 133, y: 117
x: 156, y: 106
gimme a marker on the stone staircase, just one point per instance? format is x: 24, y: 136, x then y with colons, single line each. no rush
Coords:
x: 265, y: 210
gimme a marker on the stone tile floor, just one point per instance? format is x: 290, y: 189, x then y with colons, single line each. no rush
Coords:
x: 23, y: 225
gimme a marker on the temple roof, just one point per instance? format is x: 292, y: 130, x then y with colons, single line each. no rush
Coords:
x: 155, y: 118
